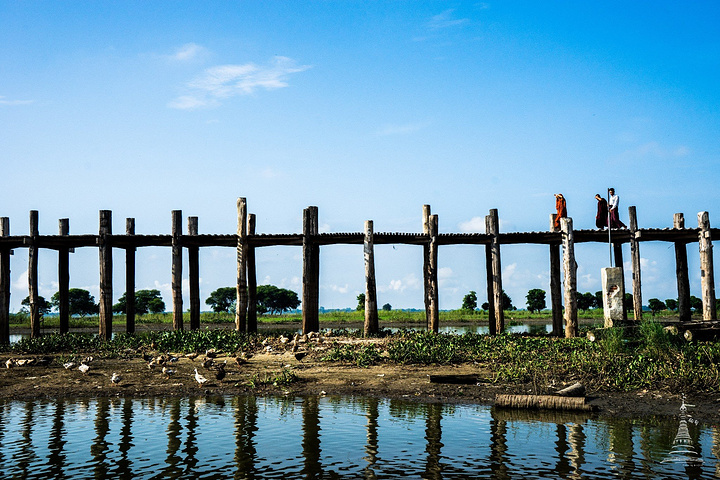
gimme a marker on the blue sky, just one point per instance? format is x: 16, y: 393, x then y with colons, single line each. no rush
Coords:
x: 368, y: 110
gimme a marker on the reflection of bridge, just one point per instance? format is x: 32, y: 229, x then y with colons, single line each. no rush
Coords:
x: 246, y: 240
x: 683, y: 448
x: 297, y: 435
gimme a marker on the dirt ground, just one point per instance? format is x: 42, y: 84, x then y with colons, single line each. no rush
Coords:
x: 466, y: 383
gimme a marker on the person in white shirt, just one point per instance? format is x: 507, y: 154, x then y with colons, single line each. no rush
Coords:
x: 613, y: 204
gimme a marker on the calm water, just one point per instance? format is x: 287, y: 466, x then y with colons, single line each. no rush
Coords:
x: 323, y: 437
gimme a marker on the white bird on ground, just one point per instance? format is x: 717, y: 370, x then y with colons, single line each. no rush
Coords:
x: 115, y: 379
x: 168, y: 371
x: 199, y: 378
x: 68, y: 365
x: 84, y: 368
x: 10, y: 363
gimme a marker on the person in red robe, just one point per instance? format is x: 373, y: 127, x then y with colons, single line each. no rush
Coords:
x: 601, y: 218
x: 561, y: 209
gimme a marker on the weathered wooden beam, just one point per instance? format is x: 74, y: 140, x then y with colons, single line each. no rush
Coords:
x: 33, y: 276
x: 251, y: 278
x: 489, y: 279
x: 106, y: 286
x: 618, y: 259
x: 570, y: 273
x: 177, y: 270
x: 426, y: 212
x: 434, y: 310
x: 311, y: 267
x: 64, y: 279
x: 552, y: 402
x: 635, y: 260
x: 681, y: 272
x: 241, y: 289
x: 555, y: 285
x: 4, y: 283
x: 707, y: 275
x: 194, y: 275
x: 371, y: 306
x: 130, y: 279
x: 497, y: 298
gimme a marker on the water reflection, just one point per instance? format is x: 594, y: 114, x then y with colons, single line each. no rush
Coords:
x: 318, y: 437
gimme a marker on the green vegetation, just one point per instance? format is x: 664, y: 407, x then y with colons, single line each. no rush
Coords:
x: 146, y: 301
x: 535, y: 300
x: 469, y: 302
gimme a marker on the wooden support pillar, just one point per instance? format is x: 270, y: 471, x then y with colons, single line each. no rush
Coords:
x: 371, y: 307
x: 177, y: 270
x: 707, y: 275
x: 311, y: 270
x: 497, y: 298
x: 64, y: 279
x: 681, y: 273
x: 635, y: 257
x: 489, y: 280
x: 194, y: 275
x: 555, y: 285
x: 106, y: 286
x: 434, y: 319
x: 426, y: 263
x: 4, y: 283
x: 251, y: 279
x: 241, y: 291
x: 130, y: 279
x: 33, y: 276
x: 570, y: 271
x: 618, y: 258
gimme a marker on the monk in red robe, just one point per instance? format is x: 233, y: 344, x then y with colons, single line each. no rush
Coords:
x: 561, y: 208
x: 601, y: 218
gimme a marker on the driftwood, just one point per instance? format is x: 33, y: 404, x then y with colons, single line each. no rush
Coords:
x: 700, y: 334
x: 574, y: 390
x: 551, y: 402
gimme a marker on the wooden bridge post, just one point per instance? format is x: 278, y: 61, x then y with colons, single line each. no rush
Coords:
x: 434, y: 319
x: 426, y: 263
x: 33, y: 276
x: 618, y: 258
x: 64, y: 279
x: 106, y: 286
x: 311, y: 271
x: 251, y: 279
x: 371, y: 307
x: 241, y: 291
x: 130, y: 279
x: 176, y: 231
x: 194, y: 275
x: 635, y: 257
x: 707, y: 275
x: 497, y: 298
x: 555, y: 284
x: 4, y: 283
x: 489, y: 280
x: 570, y: 269
x: 681, y: 272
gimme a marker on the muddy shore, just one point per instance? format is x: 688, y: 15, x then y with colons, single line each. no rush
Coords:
x: 267, y: 371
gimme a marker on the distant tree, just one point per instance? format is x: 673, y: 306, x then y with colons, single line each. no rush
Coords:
x: 671, y: 304
x: 470, y: 301
x: 80, y: 302
x: 223, y: 299
x: 507, y: 302
x: 275, y: 300
x: 535, y: 300
x: 361, y: 302
x: 44, y: 306
x: 599, y: 299
x: 696, y: 304
x: 387, y: 307
x: 628, y: 301
x: 586, y: 301
x: 656, y: 305
x: 146, y: 301
x: 485, y: 306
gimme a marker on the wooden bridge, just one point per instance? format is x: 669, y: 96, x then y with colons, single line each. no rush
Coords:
x: 246, y: 240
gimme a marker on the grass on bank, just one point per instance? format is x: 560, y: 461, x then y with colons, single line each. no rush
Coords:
x: 649, y: 358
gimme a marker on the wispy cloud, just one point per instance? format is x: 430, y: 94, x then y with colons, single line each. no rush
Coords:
x: 474, y: 225
x: 187, y: 52
x: 226, y: 81
x: 4, y: 101
x: 405, y: 129
x: 446, y: 19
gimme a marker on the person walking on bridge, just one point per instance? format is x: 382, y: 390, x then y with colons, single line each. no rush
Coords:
x: 613, y: 204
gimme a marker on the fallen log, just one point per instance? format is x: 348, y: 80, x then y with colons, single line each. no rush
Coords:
x: 574, y: 390
x: 701, y: 334
x: 551, y: 402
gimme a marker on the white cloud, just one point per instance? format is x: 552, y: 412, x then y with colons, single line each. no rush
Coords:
x: 400, y: 285
x: 474, y: 225
x: 187, y: 52
x: 338, y: 288
x: 3, y: 101
x: 446, y: 20
x: 226, y: 81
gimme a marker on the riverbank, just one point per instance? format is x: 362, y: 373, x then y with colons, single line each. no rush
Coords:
x: 317, y: 367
